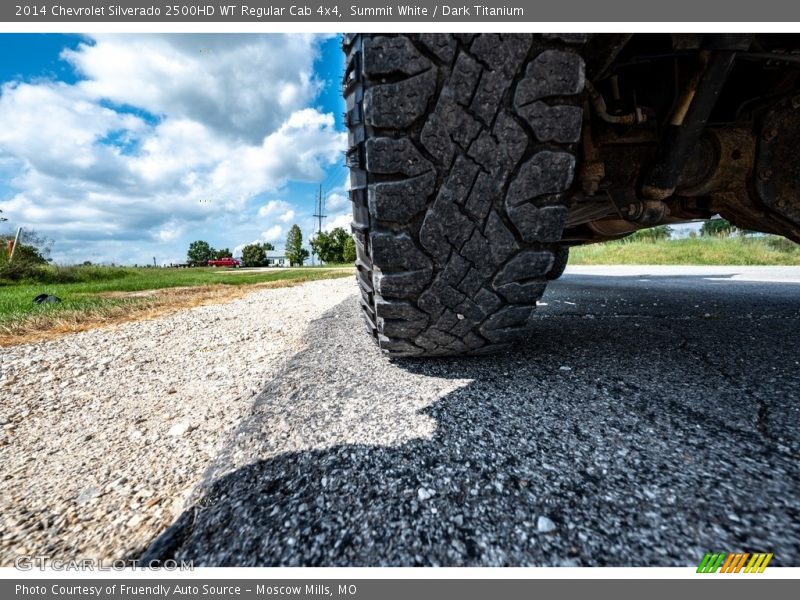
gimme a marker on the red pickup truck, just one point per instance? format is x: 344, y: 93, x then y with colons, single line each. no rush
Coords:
x: 227, y: 261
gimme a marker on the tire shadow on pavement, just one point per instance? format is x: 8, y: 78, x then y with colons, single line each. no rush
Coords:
x: 629, y: 432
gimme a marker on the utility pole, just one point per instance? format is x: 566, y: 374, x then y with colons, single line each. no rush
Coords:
x: 320, y: 209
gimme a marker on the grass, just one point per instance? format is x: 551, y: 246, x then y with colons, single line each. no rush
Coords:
x: 705, y: 250
x: 96, y: 296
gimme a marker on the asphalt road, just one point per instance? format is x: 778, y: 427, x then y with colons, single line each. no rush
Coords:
x: 654, y: 417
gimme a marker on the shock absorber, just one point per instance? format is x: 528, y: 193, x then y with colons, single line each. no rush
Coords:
x: 692, y: 112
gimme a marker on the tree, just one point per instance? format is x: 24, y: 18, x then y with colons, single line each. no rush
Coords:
x: 267, y: 246
x: 224, y: 253
x: 322, y: 246
x: 349, y: 250
x: 253, y: 255
x: 717, y: 227
x: 294, y: 247
x: 199, y: 253
x: 330, y: 247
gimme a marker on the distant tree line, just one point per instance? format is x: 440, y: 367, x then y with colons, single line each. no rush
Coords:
x: 200, y: 252
x: 332, y: 247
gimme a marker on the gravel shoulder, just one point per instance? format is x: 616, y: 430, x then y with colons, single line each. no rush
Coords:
x: 104, y: 433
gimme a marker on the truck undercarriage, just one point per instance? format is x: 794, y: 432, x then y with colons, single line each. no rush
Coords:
x: 684, y: 127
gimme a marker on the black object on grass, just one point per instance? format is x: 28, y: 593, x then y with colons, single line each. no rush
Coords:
x: 46, y: 299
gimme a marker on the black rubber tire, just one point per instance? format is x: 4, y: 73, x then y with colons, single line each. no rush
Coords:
x: 560, y: 260
x: 461, y: 149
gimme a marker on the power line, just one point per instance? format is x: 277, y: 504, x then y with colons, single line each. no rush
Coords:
x: 331, y: 180
x: 320, y: 210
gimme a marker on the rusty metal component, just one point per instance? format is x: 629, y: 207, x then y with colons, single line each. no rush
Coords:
x: 611, y: 228
x: 591, y: 174
x: 740, y: 209
x: 777, y: 184
x: 637, y: 117
x: 592, y: 170
x: 722, y: 161
x: 647, y: 212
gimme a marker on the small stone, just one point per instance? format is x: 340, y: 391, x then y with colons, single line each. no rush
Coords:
x: 135, y: 520
x: 425, y: 494
x: 87, y: 495
x: 180, y: 429
x: 544, y: 525
x: 565, y: 368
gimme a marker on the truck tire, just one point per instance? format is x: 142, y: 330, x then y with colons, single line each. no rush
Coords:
x: 560, y: 260
x: 461, y: 149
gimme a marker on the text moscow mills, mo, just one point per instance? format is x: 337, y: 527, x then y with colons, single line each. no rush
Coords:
x: 266, y: 11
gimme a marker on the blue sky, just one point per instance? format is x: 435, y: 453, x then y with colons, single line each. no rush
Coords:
x: 126, y: 147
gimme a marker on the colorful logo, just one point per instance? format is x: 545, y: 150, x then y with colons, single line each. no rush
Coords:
x: 734, y: 562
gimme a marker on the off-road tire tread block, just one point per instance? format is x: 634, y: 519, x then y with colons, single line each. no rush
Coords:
x: 461, y: 151
x: 560, y: 260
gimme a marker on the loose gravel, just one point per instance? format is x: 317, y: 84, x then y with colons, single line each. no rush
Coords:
x: 103, y: 434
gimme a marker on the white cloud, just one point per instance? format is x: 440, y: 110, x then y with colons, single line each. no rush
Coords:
x: 273, y: 234
x: 341, y: 220
x: 239, y: 85
x: 170, y: 232
x: 337, y: 202
x: 232, y: 123
x: 277, y: 209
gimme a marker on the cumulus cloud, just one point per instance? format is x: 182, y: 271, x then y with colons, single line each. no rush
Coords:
x: 342, y: 220
x: 274, y: 234
x: 162, y: 132
x: 243, y: 85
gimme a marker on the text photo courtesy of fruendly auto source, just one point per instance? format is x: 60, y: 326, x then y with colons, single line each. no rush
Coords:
x: 467, y: 299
